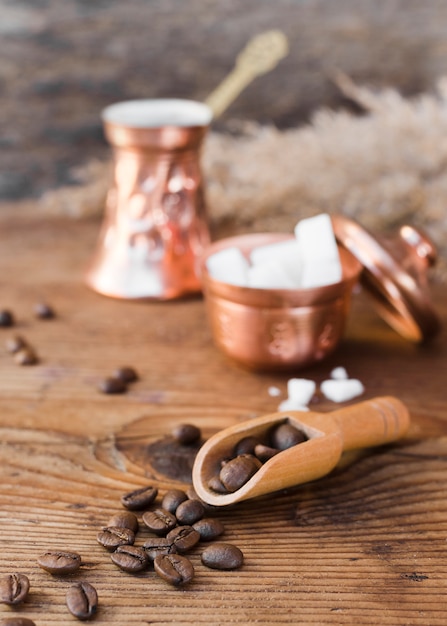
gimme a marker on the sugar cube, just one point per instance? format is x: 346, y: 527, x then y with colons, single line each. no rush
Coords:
x: 269, y: 275
x: 228, y: 266
x: 342, y: 390
x: 291, y: 405
x: 301, y: 390
x: 319, y: 253
x: 339, y: 373
x: 286, y: 253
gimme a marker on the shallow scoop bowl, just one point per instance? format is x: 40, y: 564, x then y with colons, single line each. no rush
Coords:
x: 366, y: 424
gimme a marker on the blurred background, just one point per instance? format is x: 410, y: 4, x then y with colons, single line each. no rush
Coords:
x: 62, y: 61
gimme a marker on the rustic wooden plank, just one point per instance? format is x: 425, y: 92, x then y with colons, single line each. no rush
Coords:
x: 366, y: 545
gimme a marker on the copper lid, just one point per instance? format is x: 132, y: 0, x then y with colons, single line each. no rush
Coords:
x: 395, y: 273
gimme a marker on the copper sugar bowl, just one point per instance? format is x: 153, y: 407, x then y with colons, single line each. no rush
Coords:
x: 281, y: 329
x: 154, y: 229
x: 265, y: 329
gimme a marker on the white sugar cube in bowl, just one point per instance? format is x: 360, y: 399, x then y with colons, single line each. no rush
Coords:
x: 281, y: 327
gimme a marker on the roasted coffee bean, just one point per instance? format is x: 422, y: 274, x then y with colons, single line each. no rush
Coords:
x: 192, y: 495
x: 13, y: 588
x: 174, y: 568
x: 130, y: 558
x: 186, y: 434
x: 126, y: 374
x: 6, y: 318
x: 159, y: 521
x: 124, y: 519
x: 216, y: 485
x: 158, y: 546
x: 246, y: 446
x: 17, y: 621
x: 82, y: 600
x: 112, y: 537
x: 189, y: 512
x: 209, y: 528
x: 25, y: 356
x: 58, y: 562
x: 264, y: 453
x: 224, y: 556
x: 140, y: 498
x: 172, y: 499
x: 14, y: 344
x: 44, y: 311
x: 112, y: 386
x: 238, y: 471
x: 184, y: 538
x: 285, y: 436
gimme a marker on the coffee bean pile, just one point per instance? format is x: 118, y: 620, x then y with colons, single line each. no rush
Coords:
x: 250, y: 453
x: 118, y: 382
x: 178, y: 522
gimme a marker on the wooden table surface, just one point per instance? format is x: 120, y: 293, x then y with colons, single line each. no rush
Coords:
x: 365, y: 545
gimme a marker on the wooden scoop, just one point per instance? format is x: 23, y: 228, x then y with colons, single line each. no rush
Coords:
x: 371, y: 423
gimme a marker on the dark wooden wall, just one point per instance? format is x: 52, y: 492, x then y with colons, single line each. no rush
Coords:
x: 61, y: 62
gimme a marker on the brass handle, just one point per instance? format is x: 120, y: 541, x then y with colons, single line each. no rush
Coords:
x: 260, y: 56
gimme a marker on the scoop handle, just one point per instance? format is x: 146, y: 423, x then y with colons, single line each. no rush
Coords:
x: 372, y: 423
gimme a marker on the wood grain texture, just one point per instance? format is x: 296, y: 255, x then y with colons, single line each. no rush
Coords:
x: 366, y: 545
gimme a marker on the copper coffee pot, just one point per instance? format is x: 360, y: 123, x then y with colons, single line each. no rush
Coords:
x: 155, y: 226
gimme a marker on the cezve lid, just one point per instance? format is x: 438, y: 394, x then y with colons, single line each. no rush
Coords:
x: 395, y: 273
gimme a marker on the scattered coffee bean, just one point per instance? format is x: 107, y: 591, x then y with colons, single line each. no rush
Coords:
x: 82, y: 600
x: 172, y: 499
x: 186, y: 434
x: 57, y: 562
x: 223, y: 556
x: 6, y: 318
x: 14, y: 344
x: 112, y: 537
x: 44, y: 311
x: 130, y: 558
x: 140, y: 498
x: 238, y: 471
x: 264, y: 453
x: 285, y: 436
x: 209, y: 528
x: 25, y: 356
x: 17, y: 621
x: 184, y: 538
x: 246, y: 446
x: 210, y: 508
x: 174, y: 568
x: 124, y: 519
x: 13, y: 588
x: 158, y: 546
x: 112, y: 386
x: 159, y: 521
x: 126, y: 374
x: 189, y: 511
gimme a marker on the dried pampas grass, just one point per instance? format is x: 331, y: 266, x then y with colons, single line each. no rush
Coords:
x: 384, y: 168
